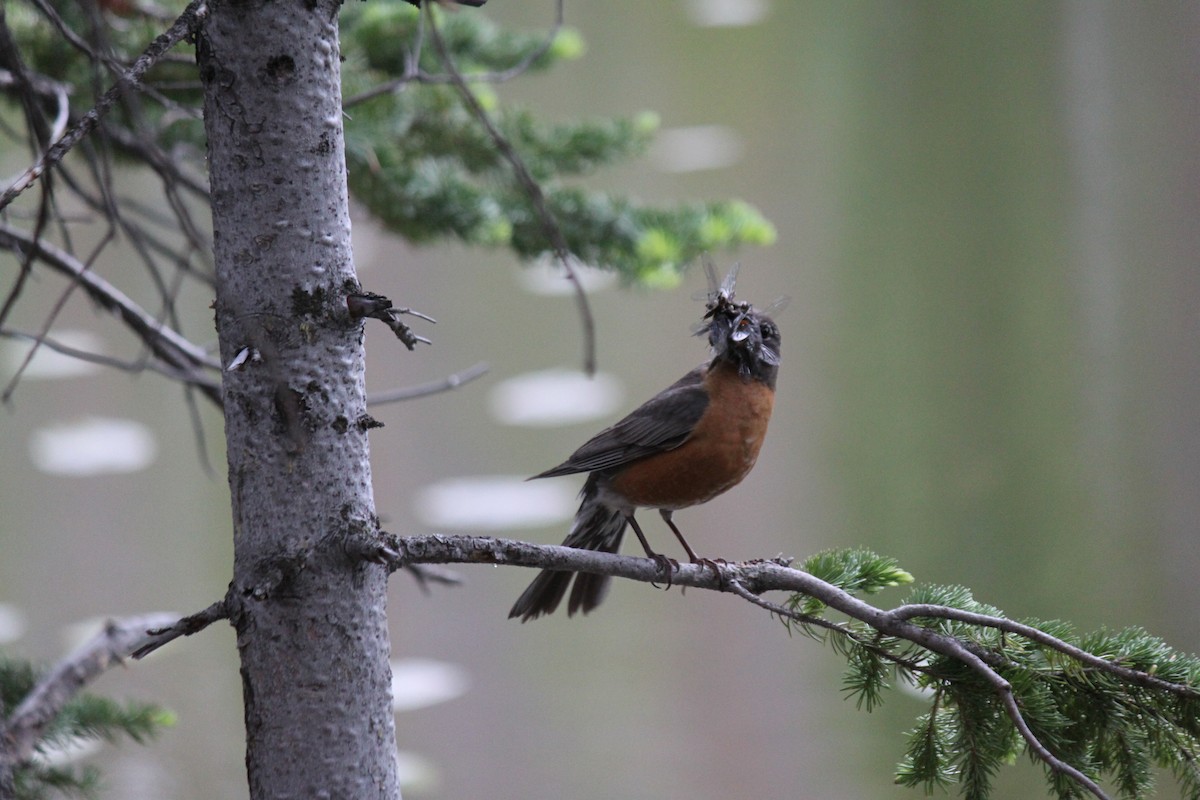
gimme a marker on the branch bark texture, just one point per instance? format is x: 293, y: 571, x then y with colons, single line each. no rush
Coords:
x: 21, y: 731
x: 311, y: 621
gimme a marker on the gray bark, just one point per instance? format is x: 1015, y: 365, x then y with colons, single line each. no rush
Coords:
x: 310, y: 613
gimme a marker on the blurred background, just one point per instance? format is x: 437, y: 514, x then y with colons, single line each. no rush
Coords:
x: 988, y: 230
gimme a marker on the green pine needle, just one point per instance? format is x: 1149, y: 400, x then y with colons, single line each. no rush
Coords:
x: 856, y: 571
x: 86, y: 716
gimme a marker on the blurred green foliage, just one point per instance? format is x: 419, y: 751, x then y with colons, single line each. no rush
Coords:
x: 421, y: 162
x: 417, y: 158
x: 86, y: 717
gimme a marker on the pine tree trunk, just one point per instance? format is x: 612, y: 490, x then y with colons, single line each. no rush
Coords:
x: 310, y: 616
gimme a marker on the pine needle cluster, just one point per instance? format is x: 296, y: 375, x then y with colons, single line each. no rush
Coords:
x: 416, y: 156
x: 420, y: 161
x: 1122, y: 707
x: 85, y: 718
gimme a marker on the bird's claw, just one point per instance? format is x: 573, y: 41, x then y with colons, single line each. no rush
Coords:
x: 667, y: 566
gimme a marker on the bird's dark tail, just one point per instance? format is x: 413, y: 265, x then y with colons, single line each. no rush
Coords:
x: 597, y: 527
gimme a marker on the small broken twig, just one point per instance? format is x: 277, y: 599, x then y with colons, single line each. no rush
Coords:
x: 376, y: 306
x: 186, y: 626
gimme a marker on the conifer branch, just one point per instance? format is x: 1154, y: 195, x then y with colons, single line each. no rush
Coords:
x: 986, y: 671
x: 550, y: 227
x: 30, y: 719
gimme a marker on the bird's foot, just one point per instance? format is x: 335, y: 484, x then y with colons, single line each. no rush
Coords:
x: 715, y: 565
x: 667, y: 566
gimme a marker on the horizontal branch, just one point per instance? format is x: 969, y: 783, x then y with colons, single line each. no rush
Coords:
x: 752, y: 578
x: 439, y: 549
x: 755, y: 577
x: 918, y: 610
x: 29, y: 721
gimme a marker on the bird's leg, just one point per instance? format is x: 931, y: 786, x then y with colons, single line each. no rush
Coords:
x: 666, y: 515
x: 667, y: 565
x: 707, y: 562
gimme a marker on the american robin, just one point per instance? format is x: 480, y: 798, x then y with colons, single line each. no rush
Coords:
x: 689, y: 443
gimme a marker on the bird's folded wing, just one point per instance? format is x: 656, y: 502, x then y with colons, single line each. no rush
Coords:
x: 662, y: 423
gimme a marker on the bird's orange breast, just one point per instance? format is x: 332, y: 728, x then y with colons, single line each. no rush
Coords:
x: 717, y: 455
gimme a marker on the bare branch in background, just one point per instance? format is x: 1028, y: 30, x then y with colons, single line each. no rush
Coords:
x: 183, y: 27
x: 28, y: 87
x: 163, y: 236
x: 44, y: 87
x: 550, y: 227
x: 446, y: 384
x: 163, y: 342
x: 190, y: 378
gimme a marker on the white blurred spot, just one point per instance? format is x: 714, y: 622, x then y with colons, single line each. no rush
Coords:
x: 93, y: 446
x: 48, y: 364
x: 66, y: 751
x: 727, y: 13
x: 696, y: 148
x: 421, y: 682
x: 546, y: 277
x: 136, y: 773
x: 494, y: 503
x: 554, y: 397
x: 76, y: 633
x: 922, y: 693
x: 416, y: 774
x: 12, y: 623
